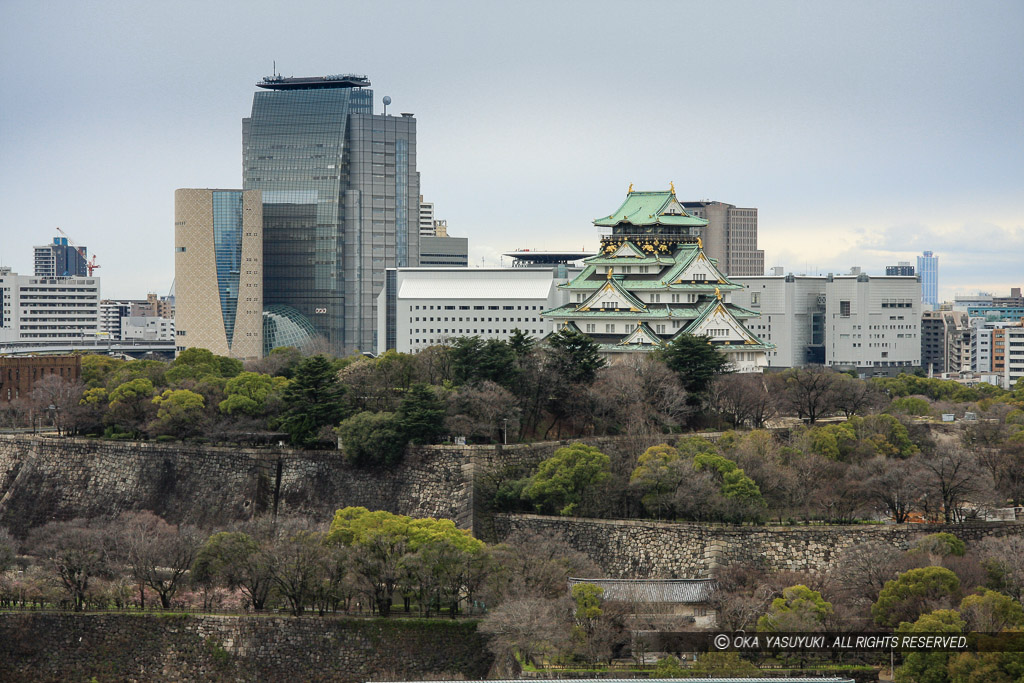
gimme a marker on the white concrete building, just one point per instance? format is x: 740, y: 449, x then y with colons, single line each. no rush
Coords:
x: 1014, y: 367
x: 45, y: 309
x: 870, y: 324
x: 148, y: 328
x: 420, y: 307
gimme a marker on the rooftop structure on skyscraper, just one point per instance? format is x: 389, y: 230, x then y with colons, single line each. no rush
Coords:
x: 527, y: 258
x: 314, y: 82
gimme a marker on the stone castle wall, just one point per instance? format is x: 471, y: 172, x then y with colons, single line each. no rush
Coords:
x: 142, y: 647
x: 641, y: 549
x: 50, y: 478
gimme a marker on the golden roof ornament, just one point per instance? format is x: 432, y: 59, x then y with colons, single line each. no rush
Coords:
x: 700, y: 244
x: 672, y: 187
x: 630, y: 190
x: 718, y: 293
x: 610, y: 269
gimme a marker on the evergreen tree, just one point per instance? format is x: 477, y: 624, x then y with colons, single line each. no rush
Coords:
x: 314, y: 401
x: 695, y: 361
x: 574, y: 356
x: 421, y: 415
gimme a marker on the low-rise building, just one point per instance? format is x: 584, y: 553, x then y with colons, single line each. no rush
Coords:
x: 148, y: 328
x: 850, y: 322
x: 19, y: 374
x: 420, y: 307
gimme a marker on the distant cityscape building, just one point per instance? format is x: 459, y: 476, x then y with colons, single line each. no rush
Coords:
x: 60, y: 259
x: 421, y: 307
x: 849, y: 322
x: 652, y: 282
x: 730, y: 237
x: 1013, y: 371
x: 946, y: 341
x: 340, y: 200
x: 902, y: 268
x: 426, y: 218
x: 928, y: 269
x: 218, y: 257
x: 444, y: 251
x: 150, y: 328
x: 47, y: 309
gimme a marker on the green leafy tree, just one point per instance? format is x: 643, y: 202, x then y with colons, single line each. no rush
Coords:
x: 735, y: 484
x: 385, y: 545
x: 928, y: 667
x: 799, y: 609
x: 372, y: 439
x: 910, y: 405
x: 991, y: 612
x: 313, y: 400
x: 130, y: 404
x: 561, y: 481
x: 478, y: 360
x: 913, y: 593
x: 657, y: 475
x: 696, y: 362
x: 248, y: 393
x: 196, y: 364
x: 942, y: 544
x: 421, y: 415
x: 178, y: 411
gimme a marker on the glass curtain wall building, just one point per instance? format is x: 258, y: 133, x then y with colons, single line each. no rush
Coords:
x: 928, y: 270
x: 338, y: 183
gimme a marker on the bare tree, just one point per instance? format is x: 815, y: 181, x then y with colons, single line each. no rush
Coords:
x: 527, y: 629
x: 954, y: 476
x: 78, y: 551
x: 159, y: 554
x: 1005, y: 558
x: 57, y: 399
x: 853, y: 396
x: 896, y: 486
x: 484, y: 411
x: 746, y: 398
x: 810, y: 391
x: 742, y: 595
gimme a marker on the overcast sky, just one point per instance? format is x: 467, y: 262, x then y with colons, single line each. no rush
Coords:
x: 864, y: 132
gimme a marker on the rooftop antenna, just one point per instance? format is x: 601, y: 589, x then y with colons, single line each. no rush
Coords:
x: 387, y: 101
x: 275, y: 67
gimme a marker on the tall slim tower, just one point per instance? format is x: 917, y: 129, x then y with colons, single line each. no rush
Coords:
x: 928, y: 269
x: 730, y: 237
x: 217, y: 271
x: 340, y: 200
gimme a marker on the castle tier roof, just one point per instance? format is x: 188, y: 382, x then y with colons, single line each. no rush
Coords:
x: 650, y: 209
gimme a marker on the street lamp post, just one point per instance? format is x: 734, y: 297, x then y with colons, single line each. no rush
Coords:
x: 504, y: 430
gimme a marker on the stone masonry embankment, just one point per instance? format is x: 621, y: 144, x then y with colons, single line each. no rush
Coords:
x: 124, y: 647
x: 48, y: 478
x: 638, y: 549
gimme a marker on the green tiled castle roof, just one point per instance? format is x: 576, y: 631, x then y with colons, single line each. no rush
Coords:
x: 648, y: 208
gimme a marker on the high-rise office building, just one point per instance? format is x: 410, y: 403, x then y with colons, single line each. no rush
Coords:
x: 730, y: 237
x: 60, y: 259
x: 928, y: 269
x: 340, y: 200
x: 218, y: 272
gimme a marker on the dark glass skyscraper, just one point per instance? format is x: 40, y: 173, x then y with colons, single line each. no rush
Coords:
x: 340, y: 200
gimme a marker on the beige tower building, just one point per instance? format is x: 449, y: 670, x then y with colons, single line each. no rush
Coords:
x: 730, y: 237
x: 218, y: 270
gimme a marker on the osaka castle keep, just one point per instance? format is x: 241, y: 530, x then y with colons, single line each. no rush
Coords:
x: 651, y: 282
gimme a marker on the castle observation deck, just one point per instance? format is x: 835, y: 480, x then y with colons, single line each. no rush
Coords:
x: 314, y: 82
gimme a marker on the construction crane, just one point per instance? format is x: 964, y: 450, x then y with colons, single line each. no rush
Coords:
x: 91, y: 265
